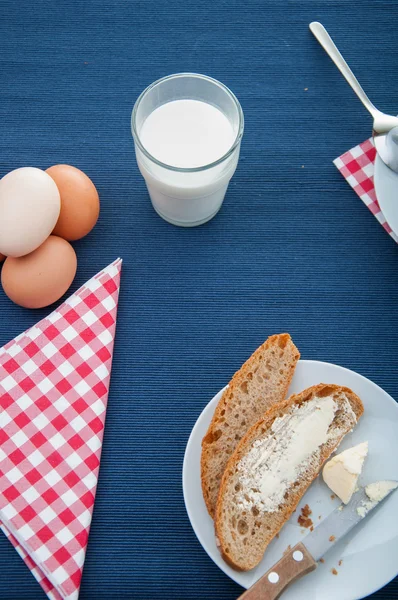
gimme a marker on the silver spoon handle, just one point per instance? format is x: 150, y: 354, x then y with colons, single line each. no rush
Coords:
x: 330, y: 48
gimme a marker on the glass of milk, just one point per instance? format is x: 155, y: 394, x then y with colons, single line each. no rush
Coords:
x: 187, y: 130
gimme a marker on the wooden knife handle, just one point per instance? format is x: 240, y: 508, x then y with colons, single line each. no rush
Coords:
x: 295, y: 563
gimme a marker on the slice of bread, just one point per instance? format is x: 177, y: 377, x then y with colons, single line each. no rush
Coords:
x: 273, y: 466
x: 260, y: 383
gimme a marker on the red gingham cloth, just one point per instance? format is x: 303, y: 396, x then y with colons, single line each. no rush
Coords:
x: 357, y: 167
x: 54, y: 383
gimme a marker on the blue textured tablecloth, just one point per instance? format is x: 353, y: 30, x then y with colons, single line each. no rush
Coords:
x: 293, y: 248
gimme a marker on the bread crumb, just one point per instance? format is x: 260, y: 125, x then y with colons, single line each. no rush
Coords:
x: 312, y: 528
x: 303, y: 522
x: 304, y: 519
x: 334, y: 572
x: 332, y: 538
x: 320, y: 517
x: 287, y: 550
x: 302, y: 166
x: 306, y: 89
x: 322, y: 560
x: 340, y: 563
x: 333, y: 496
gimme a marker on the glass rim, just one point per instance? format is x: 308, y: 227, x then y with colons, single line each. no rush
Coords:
x: 230, y: 151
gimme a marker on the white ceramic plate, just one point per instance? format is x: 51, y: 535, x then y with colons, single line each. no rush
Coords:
x: 369, y: 554
x: 386, y: 187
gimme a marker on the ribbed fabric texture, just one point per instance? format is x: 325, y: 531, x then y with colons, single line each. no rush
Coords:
x: 293, y: 248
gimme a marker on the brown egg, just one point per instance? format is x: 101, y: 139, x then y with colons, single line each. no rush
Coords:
x: 41, y: 277
x: 79, y: 202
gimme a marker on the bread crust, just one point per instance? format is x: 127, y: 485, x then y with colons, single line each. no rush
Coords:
x: 259, y: 430
x: 209, y: 443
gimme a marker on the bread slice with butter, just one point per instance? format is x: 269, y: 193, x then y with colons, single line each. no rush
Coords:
x: 260, y: 383
x: 273, y: 466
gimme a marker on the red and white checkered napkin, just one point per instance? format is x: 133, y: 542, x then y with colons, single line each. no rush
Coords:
x: 357, y: 167
x: 54, y: 382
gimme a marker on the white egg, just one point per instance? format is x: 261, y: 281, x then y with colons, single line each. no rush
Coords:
x: 29, y: 209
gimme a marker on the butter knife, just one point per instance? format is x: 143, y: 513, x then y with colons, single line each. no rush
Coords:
x: 302, y: 559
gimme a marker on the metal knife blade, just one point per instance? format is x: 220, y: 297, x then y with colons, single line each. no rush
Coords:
x: 341, y: 521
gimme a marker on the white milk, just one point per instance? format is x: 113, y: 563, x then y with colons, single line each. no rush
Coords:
x: 187, y: 134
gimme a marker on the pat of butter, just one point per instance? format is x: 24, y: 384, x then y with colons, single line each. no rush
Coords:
x: 342, y: 471
x: 377, y: 491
